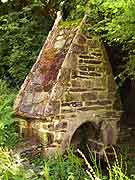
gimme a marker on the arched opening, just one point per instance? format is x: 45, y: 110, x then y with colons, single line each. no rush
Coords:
x: 87, y: 137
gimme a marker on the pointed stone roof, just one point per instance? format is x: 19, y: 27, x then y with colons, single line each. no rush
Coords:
x: 35, y: 92
x: 67, y: 53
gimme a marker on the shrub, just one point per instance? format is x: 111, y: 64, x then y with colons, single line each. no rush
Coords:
x: 113, y: 21
x: 11, y: 167
x: 22, y: 34
x: 8, y: 135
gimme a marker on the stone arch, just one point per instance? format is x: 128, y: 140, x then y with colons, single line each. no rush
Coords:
x: 84, y: 134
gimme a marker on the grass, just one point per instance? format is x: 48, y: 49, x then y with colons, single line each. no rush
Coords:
x: 67, y: 167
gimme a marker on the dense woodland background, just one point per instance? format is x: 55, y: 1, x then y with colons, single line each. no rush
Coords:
x: 24, y: 26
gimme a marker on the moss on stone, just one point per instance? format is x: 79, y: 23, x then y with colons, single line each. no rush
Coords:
x: 70, y: 23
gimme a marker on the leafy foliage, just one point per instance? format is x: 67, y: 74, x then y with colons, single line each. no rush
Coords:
x: 43, y: 7
x: 13, y: 167
x: 8, y: 135
x: 64, y: 167
x: 21, y: 37
x: 68, y: 167
x: 114, y: 22
x: 25, y: 25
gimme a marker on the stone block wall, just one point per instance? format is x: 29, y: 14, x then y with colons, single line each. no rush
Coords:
x: 82, y: 94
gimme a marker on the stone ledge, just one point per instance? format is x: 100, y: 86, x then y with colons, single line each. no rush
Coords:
x: 87, y: 108
x: 90, y: 61
x: 89, y: 73
x: 98, y: 102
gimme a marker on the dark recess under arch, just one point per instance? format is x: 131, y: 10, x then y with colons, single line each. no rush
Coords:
x: 87, y: 137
